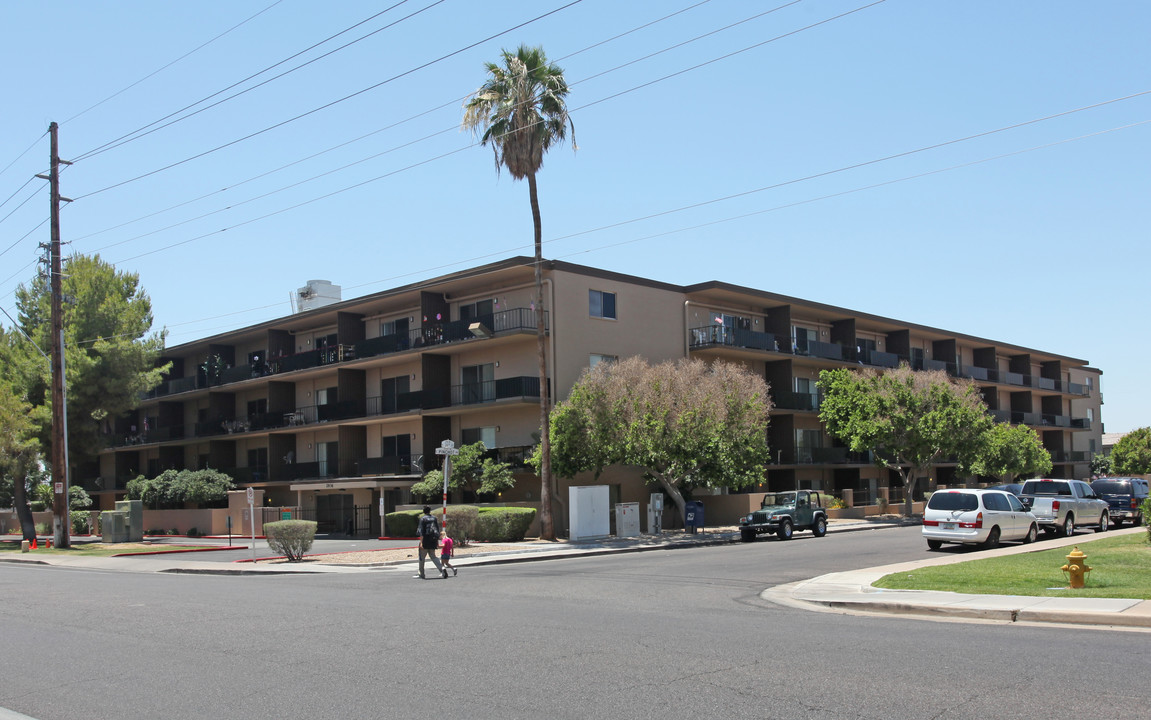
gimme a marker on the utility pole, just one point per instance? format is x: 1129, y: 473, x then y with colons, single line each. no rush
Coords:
x: 61, y: 520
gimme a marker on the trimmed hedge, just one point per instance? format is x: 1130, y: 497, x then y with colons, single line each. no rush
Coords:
x: 402, y: 523
x: 291, y: 538
x: 468, y: 523
x: 503, y: 524
x: 461, y: 521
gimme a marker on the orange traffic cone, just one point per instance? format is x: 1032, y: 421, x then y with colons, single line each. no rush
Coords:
x: 48, y: 543
x: 33, y: 545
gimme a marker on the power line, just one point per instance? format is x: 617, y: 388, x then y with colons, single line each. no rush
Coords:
x: 165, y: 67
x: 365, y: 136
x: 26, y: 151
x: 362, y: 160
x: 144, y: 131
x: 22, y: 238
x: 504, y: 252
x: 663, y: 213
x: 330, y: 104
x: 643, y: 85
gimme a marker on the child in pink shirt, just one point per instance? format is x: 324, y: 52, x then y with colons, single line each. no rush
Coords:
x: 446, y: 554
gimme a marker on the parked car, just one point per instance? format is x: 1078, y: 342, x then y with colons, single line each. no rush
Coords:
x: 783, y: 513
x: 1124, y: 495
x: 1013, y: 488
x: 976, y: 517
x: 1059, y: 504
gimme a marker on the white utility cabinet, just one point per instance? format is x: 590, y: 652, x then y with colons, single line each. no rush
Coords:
x: 590, y: 505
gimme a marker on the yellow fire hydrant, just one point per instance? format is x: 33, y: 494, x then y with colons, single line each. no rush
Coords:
x: 1076, y: 568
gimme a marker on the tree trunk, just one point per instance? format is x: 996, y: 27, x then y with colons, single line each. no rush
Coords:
x: 909, y: 477
x: 547, y: 522
x: 20, y: 502
x: 676, y: 497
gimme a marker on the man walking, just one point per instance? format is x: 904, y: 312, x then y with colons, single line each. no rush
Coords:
x: 429, y: 532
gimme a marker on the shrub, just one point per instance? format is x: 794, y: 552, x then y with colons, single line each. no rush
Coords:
x: 1146, y: 508
x: 291, y: 538
x: 81, y: 521
x: 462, y: 519
x: 193, y: 532
x: 504, y: 524
x: 834, y: 503
x: 402, y: 523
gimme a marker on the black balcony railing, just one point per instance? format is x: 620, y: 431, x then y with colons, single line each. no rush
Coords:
x: 492, y: 390
x: 787, y: 400
x: 391, y: 465
x: 309, y: 470
x: 716, y: 335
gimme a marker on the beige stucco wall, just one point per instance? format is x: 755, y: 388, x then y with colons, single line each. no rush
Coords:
x: 649, y: 322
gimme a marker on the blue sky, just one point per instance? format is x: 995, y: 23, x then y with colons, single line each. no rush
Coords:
x: 1033, y: 231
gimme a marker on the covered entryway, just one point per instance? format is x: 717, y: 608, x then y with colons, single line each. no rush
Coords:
x: 350, y: 507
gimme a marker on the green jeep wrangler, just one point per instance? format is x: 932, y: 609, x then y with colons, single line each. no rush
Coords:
x: 783, y: 513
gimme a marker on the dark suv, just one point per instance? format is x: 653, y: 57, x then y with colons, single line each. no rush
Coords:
x: 1124, y: 495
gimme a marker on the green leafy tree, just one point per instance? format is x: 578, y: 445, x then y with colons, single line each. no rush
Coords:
x: 687, y: 424
x: 177, y: 488
x: 1010, y: 451
x: 910, y: 420
x: 110, y: 354
x: 521, y: 112
x: 19, y: 452
x: 1100, y: 465
x: 1132, y: 454
x: 471, y: 471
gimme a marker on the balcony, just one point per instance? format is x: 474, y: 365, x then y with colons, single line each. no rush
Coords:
x: 400, y: 403
x: 815, y: 348
x: 820, y: 456
x: 522, y: 387
x: 308, y: 470
x: 718, y: 335
x: 788, y: 400
x: 877, y: 358
x: 1041, y: 420
x: 513, y: 320
x: 392, y: 465
x: 1069, y: 456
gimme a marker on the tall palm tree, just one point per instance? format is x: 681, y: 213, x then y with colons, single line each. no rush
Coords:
x: 521, y: 111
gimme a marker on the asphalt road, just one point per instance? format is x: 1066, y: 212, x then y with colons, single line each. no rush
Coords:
x: 679, y: 633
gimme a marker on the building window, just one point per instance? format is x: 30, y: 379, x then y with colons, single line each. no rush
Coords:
x: 595, y: 359
x: 806, y: 443
x: 478, y: 383
x: 477, y: 310
x: 601, y: 304
x: 801, y: 339
x: 487, y: 435
x: 394, y: 327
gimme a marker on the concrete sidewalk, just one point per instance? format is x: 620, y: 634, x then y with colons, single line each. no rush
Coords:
x: 852, y: 592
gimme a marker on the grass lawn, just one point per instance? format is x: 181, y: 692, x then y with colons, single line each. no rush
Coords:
x: 1121, y: 569
x: 95, y: 549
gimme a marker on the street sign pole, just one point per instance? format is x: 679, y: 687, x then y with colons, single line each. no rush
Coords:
x: 447, y: 448
x: 252, y: 519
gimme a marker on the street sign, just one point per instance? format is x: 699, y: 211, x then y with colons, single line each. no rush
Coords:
x: 60, y: 487
x: 251, y: 495
x: 447, y: 448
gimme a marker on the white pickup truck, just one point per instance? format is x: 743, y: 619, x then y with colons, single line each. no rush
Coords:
x: 1059, y: 504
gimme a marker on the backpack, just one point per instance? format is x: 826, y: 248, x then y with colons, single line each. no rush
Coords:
x: 429, y: 528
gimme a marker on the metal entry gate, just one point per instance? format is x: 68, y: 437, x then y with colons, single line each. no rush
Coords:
x: 338, y: 518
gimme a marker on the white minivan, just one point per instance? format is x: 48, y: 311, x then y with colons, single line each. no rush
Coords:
x: 976, y: 517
